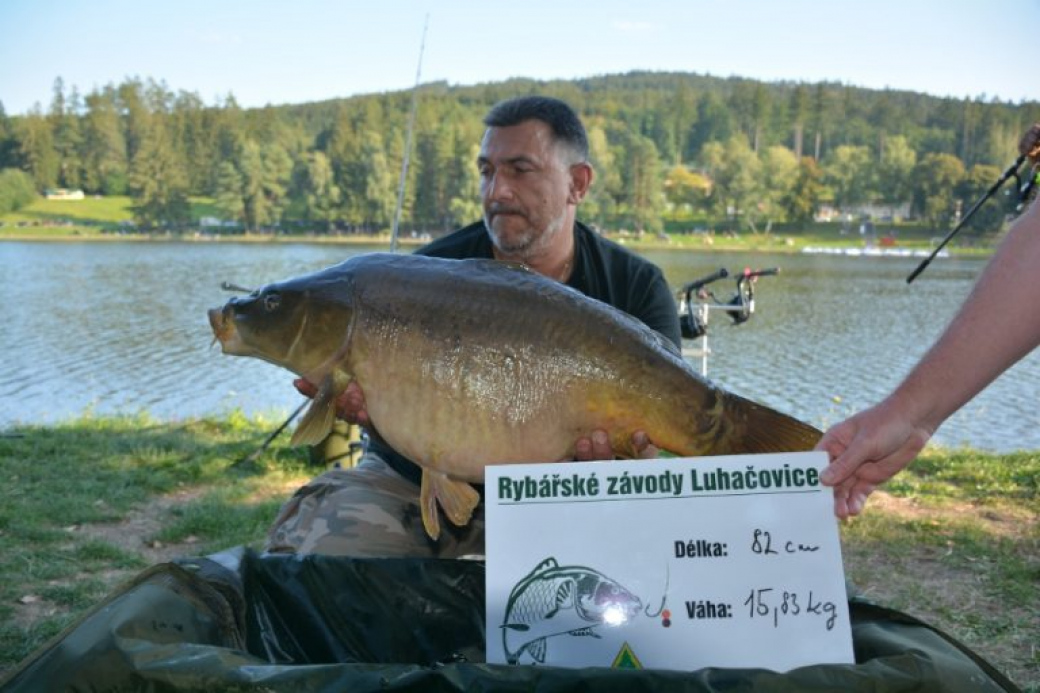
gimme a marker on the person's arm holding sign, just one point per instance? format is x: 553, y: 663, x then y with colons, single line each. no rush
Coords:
x: 996, y: 326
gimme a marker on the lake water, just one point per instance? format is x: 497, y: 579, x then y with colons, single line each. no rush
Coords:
x: 121, y: 327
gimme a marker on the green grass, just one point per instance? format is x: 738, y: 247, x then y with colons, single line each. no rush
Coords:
x: 84, y: 218
x: 955, y: 540
x: 101, y: 210
x: 89, y: 503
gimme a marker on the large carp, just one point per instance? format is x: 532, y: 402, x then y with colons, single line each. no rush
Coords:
x: 466, y: 363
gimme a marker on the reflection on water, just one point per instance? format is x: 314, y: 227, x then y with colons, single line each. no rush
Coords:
x: 122, y: 327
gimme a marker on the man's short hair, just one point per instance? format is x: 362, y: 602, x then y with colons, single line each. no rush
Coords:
x: 562, y: 120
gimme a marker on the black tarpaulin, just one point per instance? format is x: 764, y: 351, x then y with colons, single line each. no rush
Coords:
x: 238, y: 621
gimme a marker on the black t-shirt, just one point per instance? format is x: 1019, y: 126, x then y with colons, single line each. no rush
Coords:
x: 602, y: 270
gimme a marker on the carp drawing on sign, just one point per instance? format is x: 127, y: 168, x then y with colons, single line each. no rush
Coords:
x: 554, y: 600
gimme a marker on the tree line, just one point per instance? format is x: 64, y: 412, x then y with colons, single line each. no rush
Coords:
x: 668, y: 148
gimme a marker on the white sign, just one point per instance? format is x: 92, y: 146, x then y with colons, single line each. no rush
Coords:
x: 672, y: 564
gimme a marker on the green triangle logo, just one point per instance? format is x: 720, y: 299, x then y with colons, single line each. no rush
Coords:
x: 626, y: 659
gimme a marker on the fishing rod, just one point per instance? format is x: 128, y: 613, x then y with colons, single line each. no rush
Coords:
x: 394, y: 230
x: 393, y: 233
x: 228, y: 286
x: 1023, y: 191
x: 255, y: 455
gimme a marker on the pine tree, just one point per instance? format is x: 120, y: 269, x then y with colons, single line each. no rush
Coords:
x: 37, y: 149
x: 158, y: 183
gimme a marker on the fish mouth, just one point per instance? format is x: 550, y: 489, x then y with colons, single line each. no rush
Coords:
x: 223, y: 327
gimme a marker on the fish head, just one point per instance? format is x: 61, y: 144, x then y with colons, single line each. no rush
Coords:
x: 290, y: 324
x: 266, y: 323
x: 604, y: 600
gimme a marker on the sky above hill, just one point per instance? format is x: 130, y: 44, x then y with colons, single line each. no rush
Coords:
x: 276, y: 51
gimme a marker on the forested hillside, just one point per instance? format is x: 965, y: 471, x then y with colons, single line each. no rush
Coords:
x: 668, y: 148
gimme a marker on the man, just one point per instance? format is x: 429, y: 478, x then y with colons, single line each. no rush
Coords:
x: 871, y: 447
x: 534, y: 172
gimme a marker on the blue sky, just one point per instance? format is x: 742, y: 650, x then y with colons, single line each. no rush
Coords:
x: 265, y: 51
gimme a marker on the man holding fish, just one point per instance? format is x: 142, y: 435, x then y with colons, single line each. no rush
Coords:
x: 534, y: 171
x: 523, y: 338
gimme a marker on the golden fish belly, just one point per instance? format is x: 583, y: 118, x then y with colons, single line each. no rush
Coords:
x: 458, y: 410
x: 522, y: 388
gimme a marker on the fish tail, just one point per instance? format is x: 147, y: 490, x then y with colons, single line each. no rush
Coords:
x: 764, y: 430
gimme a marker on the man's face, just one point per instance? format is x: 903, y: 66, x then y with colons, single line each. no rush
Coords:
x: 526, y: 186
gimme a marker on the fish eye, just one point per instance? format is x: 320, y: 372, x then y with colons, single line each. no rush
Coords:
x: 271, y: 302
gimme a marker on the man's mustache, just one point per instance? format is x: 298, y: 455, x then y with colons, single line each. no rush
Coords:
x: 494, y: 209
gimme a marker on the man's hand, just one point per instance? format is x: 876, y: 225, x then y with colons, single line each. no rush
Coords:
x: 597, y: 447
x: 350, y: 405
x: 865, y: 451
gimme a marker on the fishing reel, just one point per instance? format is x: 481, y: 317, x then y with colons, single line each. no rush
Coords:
x: 692, y: 319
x: 691, y: 324
x: 743, y: 303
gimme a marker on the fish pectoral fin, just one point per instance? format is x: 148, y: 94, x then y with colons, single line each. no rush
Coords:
x: 456, y: 498
x: 316, y: 424
x: 564, y: 594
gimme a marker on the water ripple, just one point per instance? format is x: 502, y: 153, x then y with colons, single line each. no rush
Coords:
x: 121, y: 328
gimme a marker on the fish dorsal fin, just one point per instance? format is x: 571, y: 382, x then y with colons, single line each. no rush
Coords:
x: 316, y: 424
x: 456, y: 498
x: 548, y: 564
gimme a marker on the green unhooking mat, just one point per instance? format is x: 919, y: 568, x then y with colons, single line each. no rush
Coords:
x: 237, y: 621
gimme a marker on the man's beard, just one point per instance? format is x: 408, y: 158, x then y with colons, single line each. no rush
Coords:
x: 527, y: 242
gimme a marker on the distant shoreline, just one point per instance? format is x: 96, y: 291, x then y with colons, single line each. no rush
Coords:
x: 192, y: 238
x: 777, y: 244
x: 632, y: 244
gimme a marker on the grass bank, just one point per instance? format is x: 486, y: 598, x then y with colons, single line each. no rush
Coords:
x: 90, y: 502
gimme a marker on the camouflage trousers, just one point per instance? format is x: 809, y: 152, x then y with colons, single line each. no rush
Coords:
x: 367, y: 511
